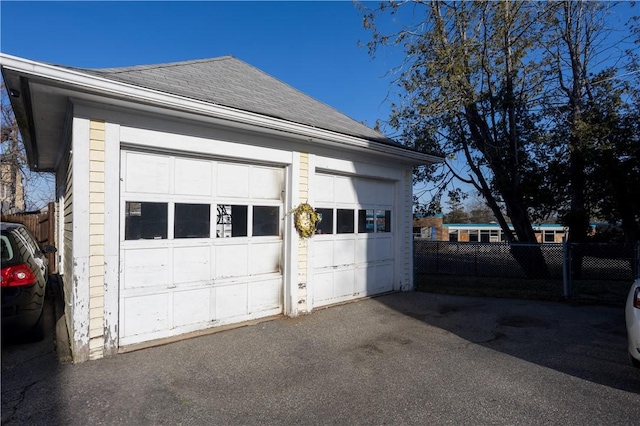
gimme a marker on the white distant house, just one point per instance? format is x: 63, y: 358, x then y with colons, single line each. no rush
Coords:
x: 173, y: 186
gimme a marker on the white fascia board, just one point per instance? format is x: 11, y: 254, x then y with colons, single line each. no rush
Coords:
x: 149, y: 96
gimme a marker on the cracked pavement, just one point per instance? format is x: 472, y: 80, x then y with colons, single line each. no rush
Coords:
x: 26, y: 366
x: 405, y: 358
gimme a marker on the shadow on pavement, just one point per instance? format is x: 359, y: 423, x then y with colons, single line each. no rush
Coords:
x: 30, y: 374
x: 585, y: 341
x: 467, y: 360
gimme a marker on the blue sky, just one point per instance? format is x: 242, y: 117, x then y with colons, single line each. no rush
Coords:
x: 312, y: 46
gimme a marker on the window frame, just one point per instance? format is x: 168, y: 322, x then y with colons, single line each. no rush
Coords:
x: 167, y: 218
x: 277, y: 222
x: 176, y: 221
x: 333, y: 221
x: 240, y: 229
x: 548, y: 233
x: 352, y: 224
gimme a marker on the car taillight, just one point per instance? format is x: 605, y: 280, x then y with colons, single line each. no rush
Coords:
x: 15, y: 276
x: 636, y: 298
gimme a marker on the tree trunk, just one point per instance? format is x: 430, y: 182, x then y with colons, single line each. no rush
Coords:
x: 578, y: 219
x: 529, y: 256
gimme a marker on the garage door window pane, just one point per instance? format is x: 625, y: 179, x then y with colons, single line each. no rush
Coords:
x: 266, y: 221
x: 383, y: 220
x: 365, y: 221
x: 325, y: 226
x: 231, y: 221
x: 192, y: 221
x: 345, y: 221
x: 145, y: 220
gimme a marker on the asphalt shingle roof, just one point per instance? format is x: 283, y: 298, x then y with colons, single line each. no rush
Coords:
x: 231, y: 82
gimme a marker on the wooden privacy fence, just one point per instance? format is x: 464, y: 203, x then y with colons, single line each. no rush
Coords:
x: 43, y: 227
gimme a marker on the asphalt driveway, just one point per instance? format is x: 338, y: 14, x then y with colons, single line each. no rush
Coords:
x: 407, y: 358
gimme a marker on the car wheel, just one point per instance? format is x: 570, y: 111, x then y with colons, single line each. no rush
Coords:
x: 634, y: 361
x: 37, y: 333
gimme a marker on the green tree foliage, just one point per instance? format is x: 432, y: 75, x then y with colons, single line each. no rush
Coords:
x: 516, y: 89
x: 466, y: 84
x: 611, y: 137
x: 575, y: 34
x: 591, y: 116
x: 456, y: 213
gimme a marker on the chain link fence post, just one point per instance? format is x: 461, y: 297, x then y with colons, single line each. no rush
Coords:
x: 566, y: 269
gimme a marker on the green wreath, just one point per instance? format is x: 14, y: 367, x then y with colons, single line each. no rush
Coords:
x: 305, y: 220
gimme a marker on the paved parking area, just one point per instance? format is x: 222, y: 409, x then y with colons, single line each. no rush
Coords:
x: 407, y: 358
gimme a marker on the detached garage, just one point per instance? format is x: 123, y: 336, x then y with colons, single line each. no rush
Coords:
x: 202, y: 244
x: 175, y: 185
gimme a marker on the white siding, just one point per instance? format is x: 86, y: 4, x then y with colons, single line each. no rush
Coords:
x: 78, y: 280
x: 96, y: 238
x: 405, y: 213
x: 64, y: 179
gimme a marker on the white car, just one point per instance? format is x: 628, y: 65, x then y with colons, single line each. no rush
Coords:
x: 633, y: 323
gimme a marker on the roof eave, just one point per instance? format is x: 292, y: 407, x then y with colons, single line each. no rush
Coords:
x: 112, y: 88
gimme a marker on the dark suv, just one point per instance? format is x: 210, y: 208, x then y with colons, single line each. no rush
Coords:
x: 25, y: 270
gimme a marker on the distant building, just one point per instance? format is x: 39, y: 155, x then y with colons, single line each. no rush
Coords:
x: 433, y: 228
x: 11, y: 188
x: 430, y: 228
x: 492, y: 233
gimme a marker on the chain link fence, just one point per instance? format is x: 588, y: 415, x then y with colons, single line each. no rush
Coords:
x: 577, y: 271
x: 601, y: 271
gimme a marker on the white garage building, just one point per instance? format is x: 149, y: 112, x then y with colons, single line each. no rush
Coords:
x: 174, y: 183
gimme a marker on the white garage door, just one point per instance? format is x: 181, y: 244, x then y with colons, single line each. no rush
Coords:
x: 353, y: 250
x: 200, y: 244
